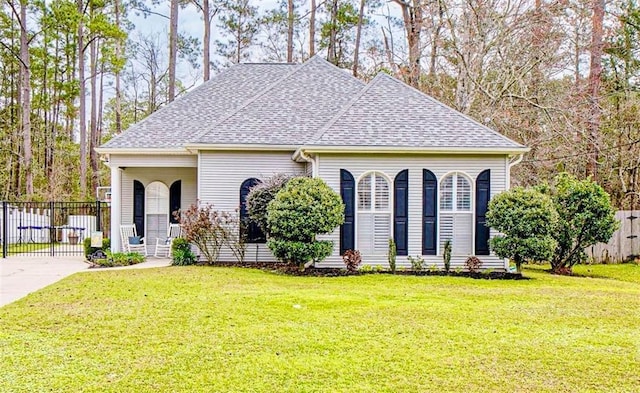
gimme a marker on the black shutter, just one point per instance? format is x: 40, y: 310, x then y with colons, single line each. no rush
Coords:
x: 347, y: 192
x: 401, y: 212
x: 138, y: 207
x: 429, y: 212
x: 175, y: 196
x: 483, y: 193
x: 254, y: 234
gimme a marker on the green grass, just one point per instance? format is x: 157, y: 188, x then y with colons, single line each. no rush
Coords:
x: 241, y: 330
x: 19, y: 248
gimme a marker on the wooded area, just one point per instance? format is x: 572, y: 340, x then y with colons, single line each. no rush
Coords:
x: 558, y: 76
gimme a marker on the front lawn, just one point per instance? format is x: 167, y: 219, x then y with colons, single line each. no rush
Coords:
x: 242, y: 330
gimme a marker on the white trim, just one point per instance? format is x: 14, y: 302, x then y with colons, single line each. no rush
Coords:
x: 239, y: 147
x: 144, y: 151
x: 116, y: 207
x: 405, y: 150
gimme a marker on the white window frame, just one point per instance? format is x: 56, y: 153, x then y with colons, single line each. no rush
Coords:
x: 454, y: 210
x: 373, y: 210
x: 147, y: 212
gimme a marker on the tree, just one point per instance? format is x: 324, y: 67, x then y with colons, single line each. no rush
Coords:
x: 261, y: 195
x: 526, y: 219
x: 586, y: 217
x: 173, y: 49
x: 239, y: 23
x: 303, y: 209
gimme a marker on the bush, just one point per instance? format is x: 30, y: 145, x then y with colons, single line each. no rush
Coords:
x: 391, y: 256
x: 300, y: 252
x: 303, y: 209
x: 88, y: 250
x: 259, y: 197
x: 417, y: 263
x: 233, y: 236
x: 526, y: 218
x: 120, y: 259
x: 181, y: 254
x: 473, y: 264
x: 586, y: 217
x: 446, y: 255
x: 352, y: 259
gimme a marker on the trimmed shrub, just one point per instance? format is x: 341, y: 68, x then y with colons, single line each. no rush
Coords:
x: 259, y: 197
x: 526, y: 219
x: 417, y: 263
x: 586, y: 217
x: 303, y: 209
x: 88, y: 250
x: 391, y: 256
x: 181, y: 254
x: 446, y: 255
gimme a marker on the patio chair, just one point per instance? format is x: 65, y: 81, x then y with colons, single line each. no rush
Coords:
x: 131, y: 242
x: 163, y: 246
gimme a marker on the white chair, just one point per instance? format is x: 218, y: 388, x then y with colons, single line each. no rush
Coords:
x: 128, y: 235
x: 163, y: 246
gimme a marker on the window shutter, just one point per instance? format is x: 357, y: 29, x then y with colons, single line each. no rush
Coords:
x: 483, y: 194
x: 347, y: 192
x: 401, y: 212
x: 429, y: 212
x: 138, y: 207
x: 254, y: 233
x: 175, y: 196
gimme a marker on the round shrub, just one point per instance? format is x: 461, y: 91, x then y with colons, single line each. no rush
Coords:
x: 303, y: 209
x: 526, y: 218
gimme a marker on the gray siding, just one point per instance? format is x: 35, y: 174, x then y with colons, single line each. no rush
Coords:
x: 148, y: 175
x: 221, y: 174
x: 440, y: 165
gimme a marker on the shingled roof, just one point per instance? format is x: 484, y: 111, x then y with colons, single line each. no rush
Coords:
x: 310, y: 105
x: 178, y: 122
x: 389, y: 113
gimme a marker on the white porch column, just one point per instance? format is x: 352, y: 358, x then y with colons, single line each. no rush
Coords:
x: 116, y: 201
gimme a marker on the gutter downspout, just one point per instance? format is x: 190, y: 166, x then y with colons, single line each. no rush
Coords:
x: 308, y: 159
x: 512, y: 161
x: 515, y: 161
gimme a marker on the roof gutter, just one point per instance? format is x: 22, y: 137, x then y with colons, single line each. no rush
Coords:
x: 405, y: 150
x: 143, y: 151
x: 193, y: 147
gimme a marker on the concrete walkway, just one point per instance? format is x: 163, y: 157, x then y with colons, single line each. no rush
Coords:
x: 21, y: 275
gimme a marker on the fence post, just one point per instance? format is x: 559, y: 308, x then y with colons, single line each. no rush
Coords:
x: 52, y: 229
x: 98, y: 216
x: 5, y: 227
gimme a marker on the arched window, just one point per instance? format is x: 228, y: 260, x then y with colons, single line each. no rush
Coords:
x: 456, y: 215
x: 251, y: 230
x: 374, y: 214
x: 156, y: 212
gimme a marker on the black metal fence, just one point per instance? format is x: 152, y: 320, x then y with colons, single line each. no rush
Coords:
x: 51, y: 228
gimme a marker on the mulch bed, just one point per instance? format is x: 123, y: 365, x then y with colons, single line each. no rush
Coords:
x: 283, y: 268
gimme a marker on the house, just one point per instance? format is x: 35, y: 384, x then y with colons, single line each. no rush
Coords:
x: 407, y: 166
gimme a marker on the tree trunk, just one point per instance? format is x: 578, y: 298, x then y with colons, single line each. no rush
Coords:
x: 595, y: 76
x: 173, y: 49
x: 82, y: 104
x: 206, y: 50
x: 290, y: 20
x: 93, y: 120
x: 331, y: 48
x: 312, y: 29
x: 118, y: 94
x: 356, y: 51
x: 25, y: 80
x: 412, y: 18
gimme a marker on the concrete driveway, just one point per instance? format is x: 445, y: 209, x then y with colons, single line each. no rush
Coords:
x: 19, y: 276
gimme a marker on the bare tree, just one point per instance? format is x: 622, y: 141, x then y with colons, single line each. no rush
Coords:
x: 356, y: 51
x: 173, y: 49
x: 595, y: 76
